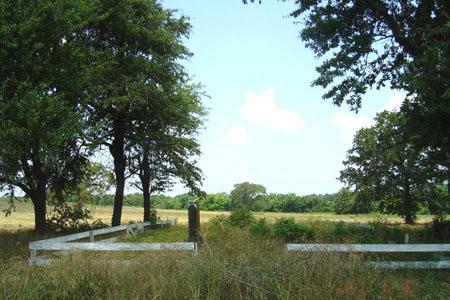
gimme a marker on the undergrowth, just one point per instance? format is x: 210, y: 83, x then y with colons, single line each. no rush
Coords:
x: 232, y: 263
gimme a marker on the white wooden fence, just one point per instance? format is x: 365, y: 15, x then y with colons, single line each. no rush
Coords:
x: 383, y: 248
x: 64, y: 244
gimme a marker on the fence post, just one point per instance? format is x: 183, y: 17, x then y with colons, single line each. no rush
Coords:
x: 406, y: 238
x: 194, y: 222
x: 91, y: 236
x: 32, y: 257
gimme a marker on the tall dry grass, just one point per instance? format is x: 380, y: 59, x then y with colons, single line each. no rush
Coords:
x: 231, y: 264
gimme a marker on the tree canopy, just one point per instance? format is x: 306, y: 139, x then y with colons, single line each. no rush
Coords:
x: 370, y: 44
x: 246, y: 194
x: 41, y: 117
x: 77, y: 76
x: 385, y: 165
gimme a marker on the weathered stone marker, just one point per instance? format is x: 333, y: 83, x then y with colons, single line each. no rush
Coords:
x: 194, y: 222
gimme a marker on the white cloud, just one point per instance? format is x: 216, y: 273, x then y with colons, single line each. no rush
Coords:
x: 349, y: 125
x: 236, y: 135
x: 395, y: 103
x: 262, y: 110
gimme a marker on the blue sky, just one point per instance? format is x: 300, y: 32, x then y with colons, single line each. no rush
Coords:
x: 266, y: 124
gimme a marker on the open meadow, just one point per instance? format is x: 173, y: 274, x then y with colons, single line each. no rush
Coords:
x: 23, y: 217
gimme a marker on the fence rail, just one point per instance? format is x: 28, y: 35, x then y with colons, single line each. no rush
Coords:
x: 188, y: 246
x: 92, y: 233
x: 383, y: 248
x: 369, y: 247
x: 64, y: 244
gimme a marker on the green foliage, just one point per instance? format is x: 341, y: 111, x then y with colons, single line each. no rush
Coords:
x: 344, y: 202
x: 291, y: 231
x: 215, y: 202
x: 440, y: 230
x: 246, y: 194
x: 261, y: 227
x: 402, y: 43
x: 42, y: 97
x: 219, y: 223
x: 385, y: 164
x: 66, y: 218
x: 145, y: 109
x: 241, y: 217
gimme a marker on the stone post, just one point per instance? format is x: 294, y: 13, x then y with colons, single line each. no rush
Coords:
x: 194, y: 222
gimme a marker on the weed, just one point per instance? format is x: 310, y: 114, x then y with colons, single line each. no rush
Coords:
x: 289, y: 230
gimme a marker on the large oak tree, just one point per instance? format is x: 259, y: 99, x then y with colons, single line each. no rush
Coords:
x: 41, y: 99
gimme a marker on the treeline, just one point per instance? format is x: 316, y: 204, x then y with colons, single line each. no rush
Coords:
x: 254, y: 197
x: 222, y: 202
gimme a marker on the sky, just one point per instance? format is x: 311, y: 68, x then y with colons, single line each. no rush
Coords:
x: 266, y: 124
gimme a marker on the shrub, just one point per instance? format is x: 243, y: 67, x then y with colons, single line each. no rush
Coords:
x: 218, y: 223
x: 241, y: 217
x: 260, y: 227
x: 290, y: 231
x: 440, y: 230
x: 65, y: 218
x: 339, y: 228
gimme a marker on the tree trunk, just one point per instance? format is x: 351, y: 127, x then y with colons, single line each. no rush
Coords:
x: 147, y: 205
x: 409, y: 219
x: 144, y: 175
x: 117, y: 150
x: 408, y: 206
x: 39, y: 199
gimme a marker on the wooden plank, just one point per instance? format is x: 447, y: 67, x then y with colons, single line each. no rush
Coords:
x: 114, y: 246
x: 369, y: 247
x: 86, y: 234
x: 81, y: 235
x: 410, y: 264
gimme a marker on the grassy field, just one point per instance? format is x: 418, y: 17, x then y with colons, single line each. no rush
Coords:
x: 233, y: 263
x: 24, y: 216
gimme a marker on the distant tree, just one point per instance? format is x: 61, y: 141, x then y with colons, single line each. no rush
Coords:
x: 346, y: 202
x: 246, y: 194
x: 215, y: 202
x: 385, y: 164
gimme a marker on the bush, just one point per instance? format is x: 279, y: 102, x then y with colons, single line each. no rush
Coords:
x: 218, y: 223
x: 260, y: 227
x: 290, y: 231
x: 241, y: 217
x: 65, y: 218
x: 440, y: 230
